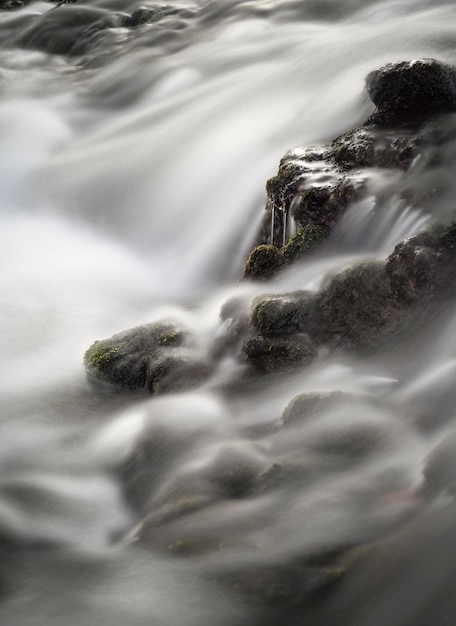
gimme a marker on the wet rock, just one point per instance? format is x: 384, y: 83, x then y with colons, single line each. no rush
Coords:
x: 357, y: 308
x: 270, y: 354
x: 304, y: 241
x: 264, y: 262
x: 423, y: 266
x: 68, y: 30
x: 314, y: 186
x: 355, y: 149
x: 308, y: 405
x: 156, y: 357
x: 283, y: 314
x: 412, y: 90
x: 324, y: 204
x: 360, y: 309
x: 150, y: 15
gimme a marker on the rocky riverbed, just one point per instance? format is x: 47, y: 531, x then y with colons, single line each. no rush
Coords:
x: 227, y: 402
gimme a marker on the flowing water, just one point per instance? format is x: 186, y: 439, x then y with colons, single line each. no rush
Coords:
x: 132, y: 187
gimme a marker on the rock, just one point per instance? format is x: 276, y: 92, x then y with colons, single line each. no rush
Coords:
x: 68, y: 30
x: 154, y: 356
x: 314, y: 186
x: 264, y: 262
x: 355, y: 149
x: 324, y: 204
x: 270, y: 354
x: 424, y: 266
x: 149, y: 15
x: 412, y: 90
x: 308, y: 405
x: 304, y: 241
x: 357, y: 307
x: 284, y: 314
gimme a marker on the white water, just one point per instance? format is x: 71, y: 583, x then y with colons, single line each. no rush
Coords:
x: 131, y: 187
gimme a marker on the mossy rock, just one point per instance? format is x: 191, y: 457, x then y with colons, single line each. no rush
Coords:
x: 357, y: 307
x: 305, y: 240
x: 264, y: 262
x: 283, y: 314
x: 423, y: 266
x: 270, y: 354
x: 410, y: 90
x: 322, y: 205
x: 152, y: 356
x: 354, y: 149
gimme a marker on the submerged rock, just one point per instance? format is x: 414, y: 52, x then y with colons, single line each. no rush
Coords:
x: 154, y: 356
x: 307, y: 405
x: 68, y: 30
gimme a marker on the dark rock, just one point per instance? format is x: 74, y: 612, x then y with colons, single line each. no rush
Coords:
x: 323, y: 205
x: 271, y: 354
x: 154, y: 356
x: 314, y: 186
x: 71, y: 30
x: 357, y: 307
x: 354, y: 149
x: 264, y: 262
x: 284, y: 314
x: 304, y: 241
x: 149, y: 15
x: 360, y: 309
x: 412, y: 90
x: 424, y: 266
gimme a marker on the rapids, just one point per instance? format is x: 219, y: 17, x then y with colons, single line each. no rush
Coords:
x: 132, y: 187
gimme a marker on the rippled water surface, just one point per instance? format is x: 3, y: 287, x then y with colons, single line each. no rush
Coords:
x: 132, y: 170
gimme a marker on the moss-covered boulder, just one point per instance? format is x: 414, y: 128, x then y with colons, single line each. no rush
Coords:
x: 284, y: 314
x: 360, y: 309
x: 305, y: 240
x: 272, y: 354
x: 411, y: 90
x: 357, y: 308
x: 424, y: 266
x: 264, y: 262
x: 314, y: 186
x: 157, y: 357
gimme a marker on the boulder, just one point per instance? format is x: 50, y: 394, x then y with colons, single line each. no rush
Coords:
x: 412, y: 90
x: 156, y: 357
x: 315, y: 185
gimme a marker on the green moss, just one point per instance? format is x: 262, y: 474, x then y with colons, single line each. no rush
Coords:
x: 172, y: 337
x: 264, y: 262
x: 100, y: 355
x: 304, y: 240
